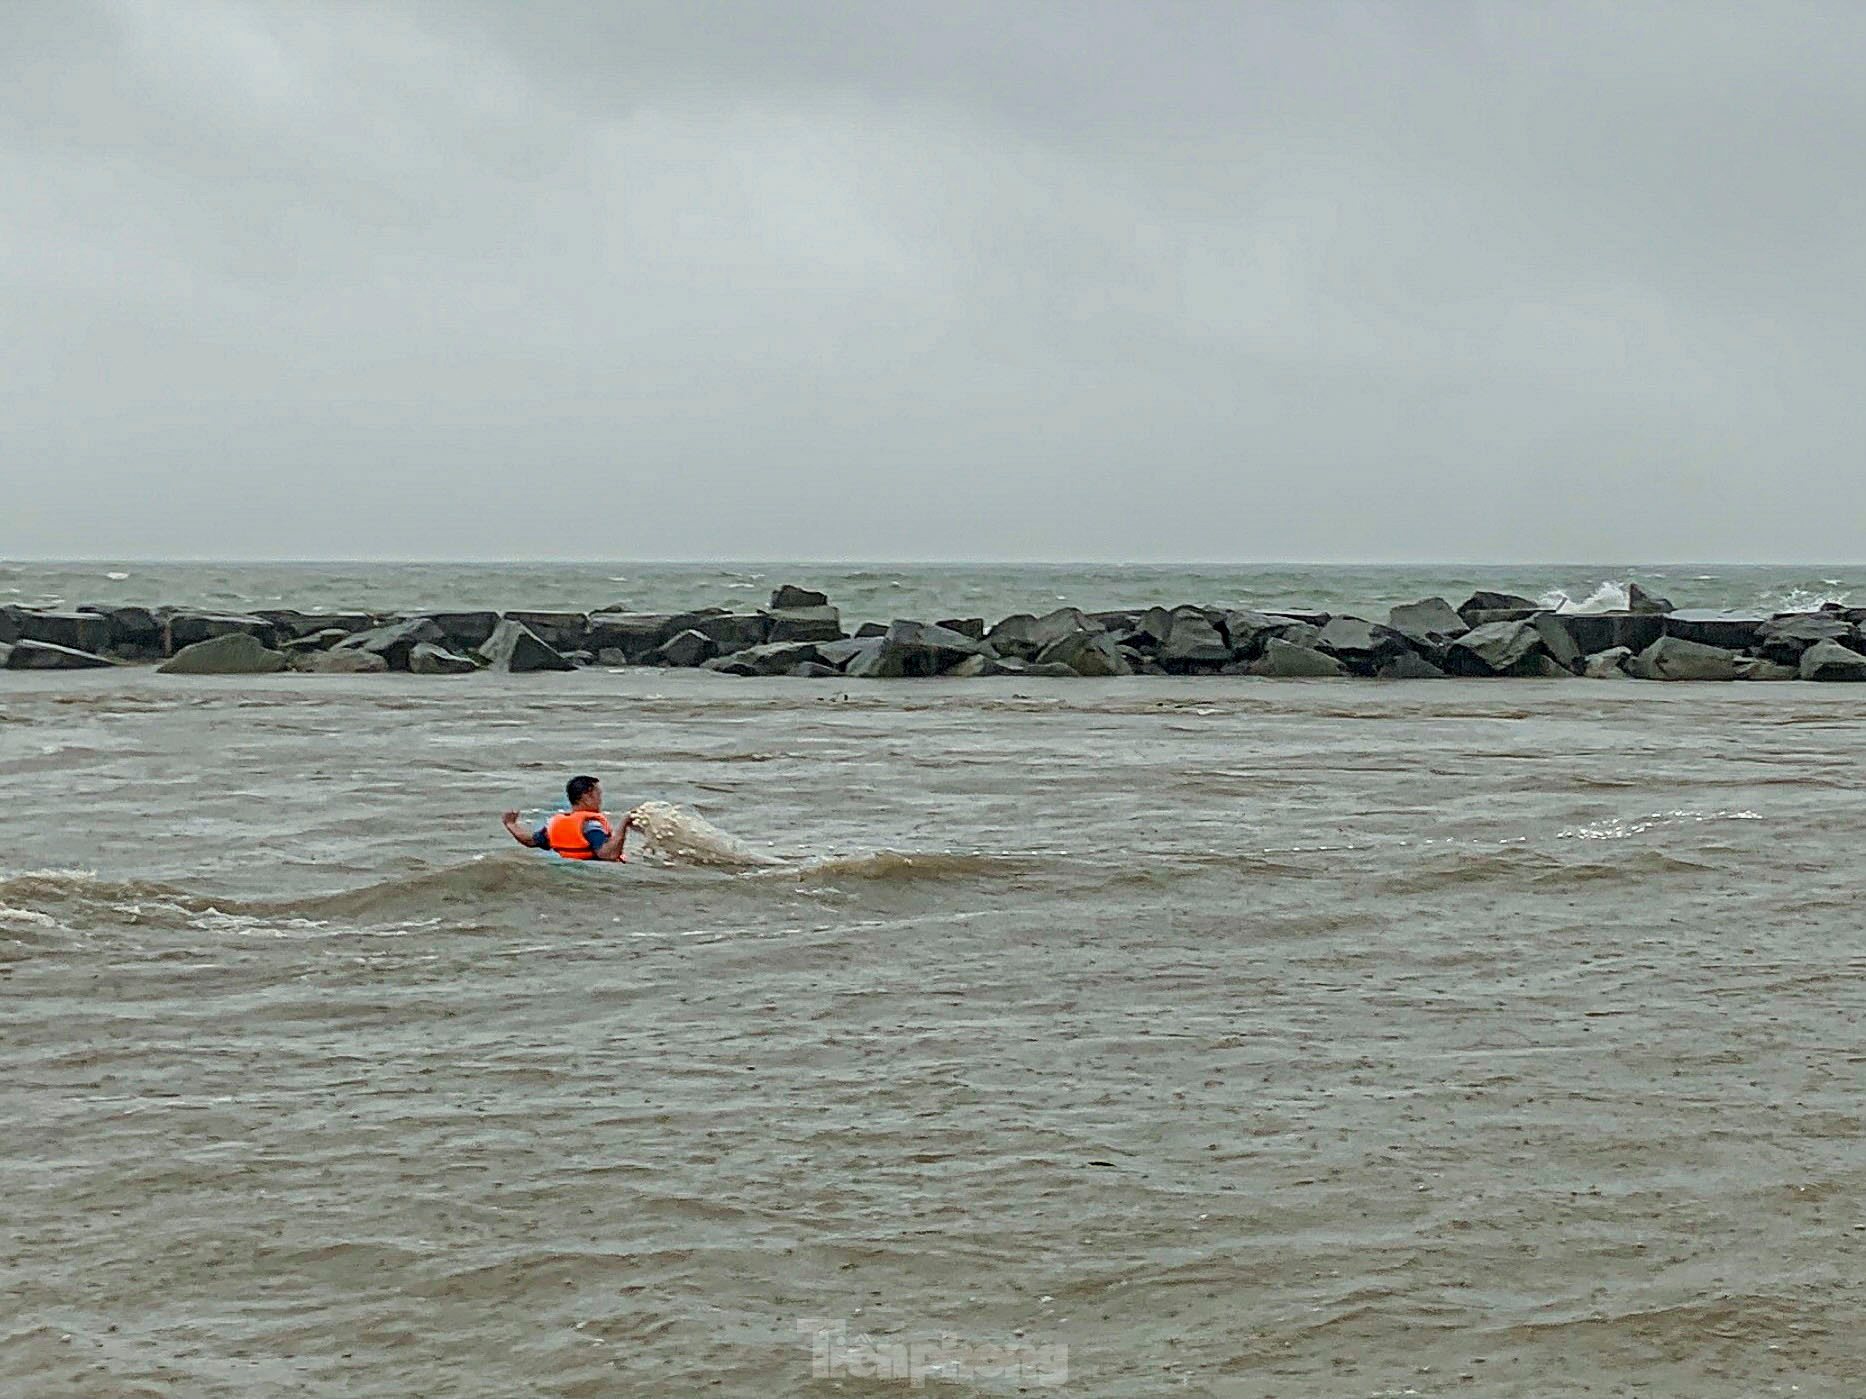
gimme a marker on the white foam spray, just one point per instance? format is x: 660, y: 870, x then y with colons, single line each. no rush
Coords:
x: 682, y: 837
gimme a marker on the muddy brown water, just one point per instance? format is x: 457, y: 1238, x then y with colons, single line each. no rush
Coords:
x: 1205, y: 1036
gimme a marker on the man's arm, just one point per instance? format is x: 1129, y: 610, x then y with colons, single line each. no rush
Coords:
x: 523, y: 838
x: 612, y: 848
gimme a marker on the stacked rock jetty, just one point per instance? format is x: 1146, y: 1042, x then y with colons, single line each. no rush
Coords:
x: 801, y: 634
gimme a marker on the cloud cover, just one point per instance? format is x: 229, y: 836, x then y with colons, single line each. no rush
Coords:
x: 468, y: 279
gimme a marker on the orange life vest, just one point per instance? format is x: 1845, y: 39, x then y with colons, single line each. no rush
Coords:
x: 564, y: 832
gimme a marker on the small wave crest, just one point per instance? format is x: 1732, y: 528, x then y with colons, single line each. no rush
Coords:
x: 896, y: 866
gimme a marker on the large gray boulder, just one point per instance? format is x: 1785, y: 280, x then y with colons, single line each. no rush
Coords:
x: 1086, y: 653
x: 1733, y: 631
x: 429, y: 659
x: 1193, y: 642
x: 1558, y: 642
x: 771, y: 658
x: 1362, y: 646
x: 186, y: 628
x: 289, y: 624
x: 561, y: 631
x: 1603, y: 631
x: 1609, y: 664
x: 1485, y: 601
x: 515, y: 647
x: 234, y: 653
x: 1829, y: 660
x: 634, y: 634
x: 1431, y: 620
x: 1248, y: 631
x: 1497, y: 648
x: 1022, y: 636
x: 785, y: 624
x: 135, y: 632
x: 728, y: 631
x: 1641, y: 601
x: 464, y: 631
x: 788, y: 596
x: 1283, y: 660
x: 1674, y: 658
x: 339, y: 662
x: 1761, y: 668
x: 395, y: 642
x: 684, y: 649
x: 1783, y: 639
x: 27, y: 654
x: 75, y: 631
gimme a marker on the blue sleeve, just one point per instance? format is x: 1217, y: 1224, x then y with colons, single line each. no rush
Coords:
x: 594, y: 833
x: 540, y: 839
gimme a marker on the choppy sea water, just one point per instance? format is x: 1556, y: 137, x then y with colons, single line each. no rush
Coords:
x: 881, y: 592
x: 1216, y: 1036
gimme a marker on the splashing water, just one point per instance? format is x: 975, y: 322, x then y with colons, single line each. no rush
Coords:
x: 682, y: 837
x: 1607, y: 597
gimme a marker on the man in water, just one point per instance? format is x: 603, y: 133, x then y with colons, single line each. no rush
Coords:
x: 582, y: 832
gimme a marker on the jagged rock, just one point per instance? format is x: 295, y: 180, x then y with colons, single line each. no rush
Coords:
x: 1733, y: 631
x: 1150, y: 630
x: 611, y: 657
x: 927, y: 650
x: 814, y: 670
x: 728, y: 631
x: 1408, y: 665
x: 1285, y: 660
x: 787, y: 624
x: 429, y: 659
x: 1361, y: 646
x: 135, y: 632
x: 1640, y: 601
x: 687, y: 648
x: 1674, y: 658
x: 288, y: 624
x: 1783, y: 639
x: 1829, y: 660
x: 973, y: 627
x: 1193, y: 642
x: 9, y: 623
x: 6, y: 653
x: 515, y: 647
x: 316, y: 641
x: 1609, y: 664
x: 1022, y: 636
x: 771, y: 658
x: 464, y: 631
x: 395, y: 642
x: 186, y: 628
x: 339, y: 662
x: 972, y: 665
x: 1757, y: 668
x: 1602, y: 631
x: 1557, y: 641
x: 1247, y: 631
x: 27, y: 654
x: 1431, y: 620
x: 634, y: 634
x: 233, y: 653
x: 840, y: 653
x: 1496, y: 648
x: 788, y: 597
x: 561, y: 631
x: 868, y: 629
x: 1484, y: 601
x: 75, y: 631
x: 1086, y: 653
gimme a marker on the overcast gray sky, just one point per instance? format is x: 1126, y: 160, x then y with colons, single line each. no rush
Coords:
x: 1085, y: 280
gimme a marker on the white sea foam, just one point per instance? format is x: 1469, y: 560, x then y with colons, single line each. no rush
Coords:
x: 1607, y: 597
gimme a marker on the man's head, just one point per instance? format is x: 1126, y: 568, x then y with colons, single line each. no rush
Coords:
x: 585, y: 792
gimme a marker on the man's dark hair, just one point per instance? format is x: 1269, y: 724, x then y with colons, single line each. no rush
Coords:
x: 576, y: 787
